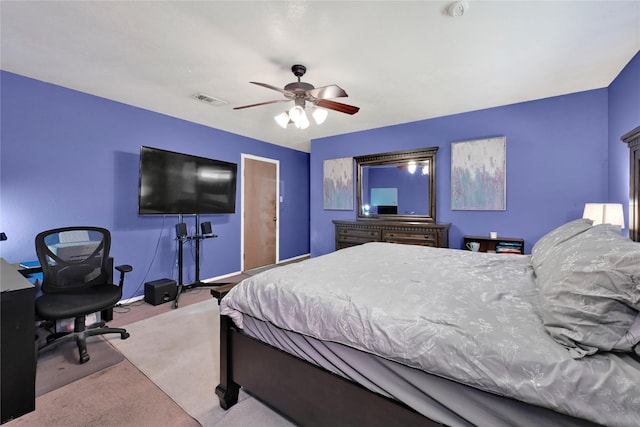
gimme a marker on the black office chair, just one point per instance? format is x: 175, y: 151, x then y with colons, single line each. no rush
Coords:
x: 76, y: 283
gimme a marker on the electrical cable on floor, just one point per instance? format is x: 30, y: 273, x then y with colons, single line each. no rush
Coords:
x: 155, y: 254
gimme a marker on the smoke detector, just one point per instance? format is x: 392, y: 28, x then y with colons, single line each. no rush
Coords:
x: 208, y: 99
x: 457, y: 9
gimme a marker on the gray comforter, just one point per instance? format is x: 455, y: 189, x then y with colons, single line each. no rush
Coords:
x: 466, y: 316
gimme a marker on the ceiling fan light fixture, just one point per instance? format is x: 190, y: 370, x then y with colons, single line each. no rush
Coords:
x: 282, y: 119
x: 300, y: 93
x: 320, y: 115
x: 303, y: 121
x: 297, y: 113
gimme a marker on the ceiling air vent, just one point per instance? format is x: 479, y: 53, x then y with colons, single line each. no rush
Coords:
x: 207, y: 99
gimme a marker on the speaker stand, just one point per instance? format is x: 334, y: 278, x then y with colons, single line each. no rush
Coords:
x: 197, y: 283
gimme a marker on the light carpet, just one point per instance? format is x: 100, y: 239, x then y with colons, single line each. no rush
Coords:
x: 179, y: 351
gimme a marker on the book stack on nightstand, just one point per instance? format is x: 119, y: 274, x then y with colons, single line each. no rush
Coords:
x: 501, y: 245
x: 508, y: 247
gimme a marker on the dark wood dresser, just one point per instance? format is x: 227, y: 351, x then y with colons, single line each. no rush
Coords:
x: 351, y: 233
x: 632, y: 138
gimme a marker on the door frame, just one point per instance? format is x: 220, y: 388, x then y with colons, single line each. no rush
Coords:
x: 277, y: 185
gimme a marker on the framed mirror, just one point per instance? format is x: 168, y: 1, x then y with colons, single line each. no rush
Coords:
x: 399, y: 185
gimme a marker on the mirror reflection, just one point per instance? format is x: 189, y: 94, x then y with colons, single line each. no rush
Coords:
x: 397, y: 185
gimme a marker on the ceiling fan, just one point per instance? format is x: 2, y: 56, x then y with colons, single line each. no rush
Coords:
x: 301, y: 93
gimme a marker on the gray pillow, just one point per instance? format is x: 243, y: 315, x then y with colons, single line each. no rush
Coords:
x: 543, y: 247
x: 590, y: 291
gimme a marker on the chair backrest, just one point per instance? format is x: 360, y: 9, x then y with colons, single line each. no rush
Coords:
x: 73, y: 258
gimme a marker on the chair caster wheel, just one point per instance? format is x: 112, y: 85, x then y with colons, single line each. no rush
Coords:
x: 84, y: 358
x: 124, y: 335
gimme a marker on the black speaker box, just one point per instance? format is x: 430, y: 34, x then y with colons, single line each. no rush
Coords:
x: 160, y: 291
x: 206, y: 228
x: 181, y: 230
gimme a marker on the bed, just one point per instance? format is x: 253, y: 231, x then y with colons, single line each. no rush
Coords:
x: 388, y: 334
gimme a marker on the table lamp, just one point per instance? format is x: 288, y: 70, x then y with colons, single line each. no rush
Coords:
x: 604, y: 213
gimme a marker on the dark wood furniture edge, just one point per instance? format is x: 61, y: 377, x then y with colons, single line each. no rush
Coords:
x: 219, y: 290
x: 632, y: 139
x: 630, y: 136
x: 497, y: 239
x: 227, y: 390
x: 304, y: 393
x: 396, y: 225
x: 393, y: 157
x: 18, y: 358
x: 380, y: 226
x: 488, y: 244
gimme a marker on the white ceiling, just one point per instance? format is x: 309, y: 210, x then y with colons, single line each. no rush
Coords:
x: 399, y: 61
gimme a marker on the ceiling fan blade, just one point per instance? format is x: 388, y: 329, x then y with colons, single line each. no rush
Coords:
x: 325, y: 92
x: 262, y: 103
x: 337, y: 106
x: 285, y: 92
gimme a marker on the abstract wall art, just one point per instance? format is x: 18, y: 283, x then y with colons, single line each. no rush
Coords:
x: 478, y: 174
x: 338, y: 184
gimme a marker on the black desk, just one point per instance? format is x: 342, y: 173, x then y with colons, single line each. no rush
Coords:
x: 18, y: 347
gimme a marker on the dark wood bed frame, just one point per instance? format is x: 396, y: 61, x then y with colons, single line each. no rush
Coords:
x: 306, y: 394
x: 312, y: 396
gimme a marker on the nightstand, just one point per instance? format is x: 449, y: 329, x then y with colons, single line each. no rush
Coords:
x: 507, y: 245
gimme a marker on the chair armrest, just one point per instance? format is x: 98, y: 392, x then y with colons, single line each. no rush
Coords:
x: 123, y: 269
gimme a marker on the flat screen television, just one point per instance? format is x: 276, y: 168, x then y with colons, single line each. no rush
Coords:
x: 181, y: 184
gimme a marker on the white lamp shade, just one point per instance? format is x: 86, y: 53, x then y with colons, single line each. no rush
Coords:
x: 298, y: 117
x: 296, y: 113
x: 302, y: 122
x: 604, y: 213
x: 282, y: 119
x: 320, y: 115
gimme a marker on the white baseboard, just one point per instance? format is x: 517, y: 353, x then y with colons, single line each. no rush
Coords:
x: 295, y: 258
x: 214, y: 279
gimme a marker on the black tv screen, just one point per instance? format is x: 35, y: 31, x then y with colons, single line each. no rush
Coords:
x: 175, y: 183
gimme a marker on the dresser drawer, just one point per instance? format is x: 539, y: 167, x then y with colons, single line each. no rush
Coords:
x: 354, y: 235
x: 410, y: 237
x: 351, y: 233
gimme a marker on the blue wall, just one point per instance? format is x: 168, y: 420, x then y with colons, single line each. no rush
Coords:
x: 69, y: 158
x: 72, y: 158
x: 557, y: 160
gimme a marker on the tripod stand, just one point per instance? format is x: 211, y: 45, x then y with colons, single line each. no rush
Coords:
x: 182, y: 237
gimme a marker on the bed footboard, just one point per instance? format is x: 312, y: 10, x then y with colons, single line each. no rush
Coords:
x: 306, y: 394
